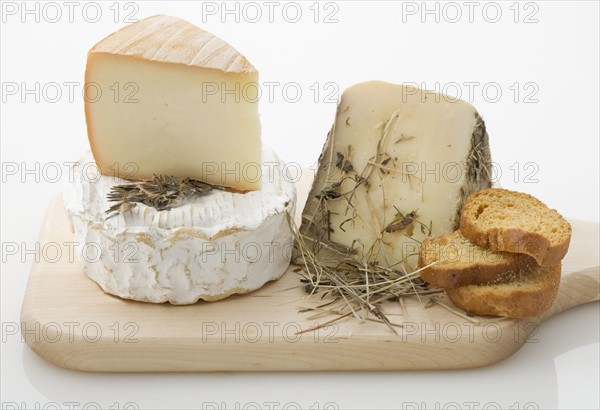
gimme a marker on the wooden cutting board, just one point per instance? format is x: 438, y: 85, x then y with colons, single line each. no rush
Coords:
x: 69, y: 321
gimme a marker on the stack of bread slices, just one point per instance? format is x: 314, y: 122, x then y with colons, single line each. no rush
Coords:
x: 505, y: 259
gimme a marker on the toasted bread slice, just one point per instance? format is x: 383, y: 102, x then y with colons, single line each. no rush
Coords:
x: 530, y: 293
x: 460, y: 262
x: 506, y: 221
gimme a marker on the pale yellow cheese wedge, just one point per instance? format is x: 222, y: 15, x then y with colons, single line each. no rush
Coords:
x: 396, y: 168
x: 166, y: 97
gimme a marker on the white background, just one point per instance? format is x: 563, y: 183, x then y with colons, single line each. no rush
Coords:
x: 548, y: 131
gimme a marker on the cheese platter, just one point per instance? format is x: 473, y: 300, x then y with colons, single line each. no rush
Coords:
x: 183, y: 244
x: 80, y: 327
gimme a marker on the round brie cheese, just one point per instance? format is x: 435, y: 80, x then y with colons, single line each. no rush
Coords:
x: 207, y: 247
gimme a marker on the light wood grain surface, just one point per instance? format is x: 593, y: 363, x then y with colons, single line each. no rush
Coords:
x: 69, y: 321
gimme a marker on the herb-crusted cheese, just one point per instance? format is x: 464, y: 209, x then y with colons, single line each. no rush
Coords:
x: 396, y: 167
x: 208, y: 247
x: 166, y: 97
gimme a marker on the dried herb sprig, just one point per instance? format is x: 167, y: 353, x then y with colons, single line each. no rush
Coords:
x: 163, y: 192
x: 347, y: 277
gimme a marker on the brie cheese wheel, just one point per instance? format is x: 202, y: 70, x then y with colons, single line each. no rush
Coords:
x: 208, y: 247
x: 165, y: 97
x: 396, y: 167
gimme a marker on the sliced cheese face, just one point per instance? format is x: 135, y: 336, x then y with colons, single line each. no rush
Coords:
x: 166, y: 97
x: 206, y: 248
x: 396, y: 167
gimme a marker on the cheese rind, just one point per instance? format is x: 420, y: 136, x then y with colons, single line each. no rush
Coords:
x: 163, y: 96
x: 206, y: 248
x: 394, y: 154
x: 166, y: 39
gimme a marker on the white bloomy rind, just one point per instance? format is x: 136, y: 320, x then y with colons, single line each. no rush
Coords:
x: 207, y: 248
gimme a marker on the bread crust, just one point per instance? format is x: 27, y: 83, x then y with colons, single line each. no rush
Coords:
x: 515, y: 240
x: 475, y: 275
x: 475, y: 272
x: 530, y: 240
x: 519, y: 300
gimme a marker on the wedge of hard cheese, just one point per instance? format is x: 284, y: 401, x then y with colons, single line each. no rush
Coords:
x: 396, y: 168
x: 163, y: 96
